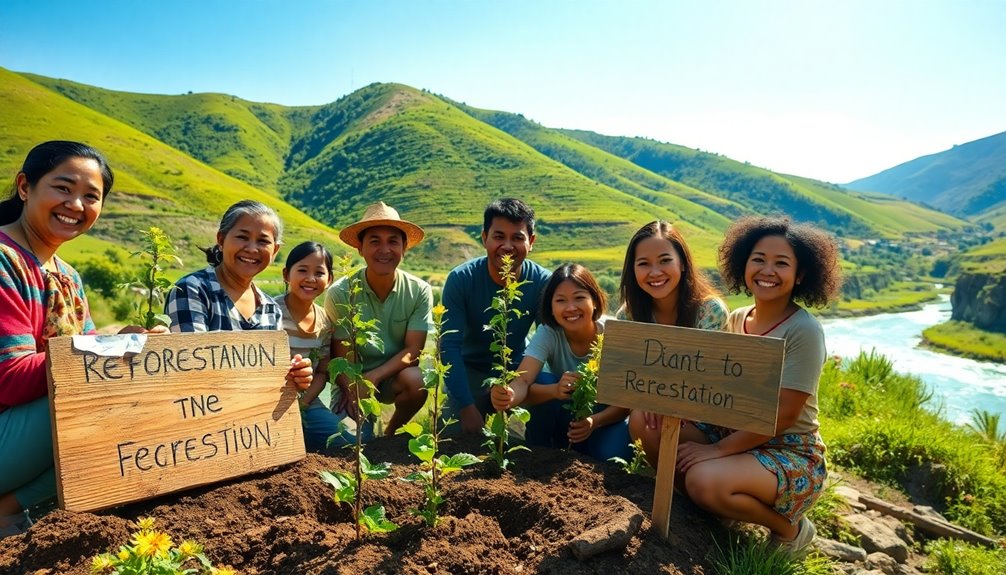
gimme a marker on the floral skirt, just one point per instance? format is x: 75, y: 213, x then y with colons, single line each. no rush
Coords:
x: 796, y: 459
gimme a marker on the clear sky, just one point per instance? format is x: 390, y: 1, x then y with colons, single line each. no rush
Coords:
x: 834, y: 90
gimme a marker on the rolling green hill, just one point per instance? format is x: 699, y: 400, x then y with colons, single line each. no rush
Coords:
x: 181, y: 159
x: 155, y: 184
x: 967, y: 180
x: 762, y: 191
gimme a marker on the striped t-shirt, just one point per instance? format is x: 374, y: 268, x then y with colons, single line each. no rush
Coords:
x: 23, y: 332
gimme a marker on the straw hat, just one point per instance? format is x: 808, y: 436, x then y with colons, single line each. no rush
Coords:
x: 381, y: 214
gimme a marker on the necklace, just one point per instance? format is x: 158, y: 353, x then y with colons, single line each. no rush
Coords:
x: 777, y: 324
x: 31, y: 248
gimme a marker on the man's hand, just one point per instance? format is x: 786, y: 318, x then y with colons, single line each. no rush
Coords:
x: 471, y: 419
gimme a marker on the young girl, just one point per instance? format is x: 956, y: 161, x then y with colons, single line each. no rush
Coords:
x: 223, y: 296
x: 661, y: 284
x: 771, y: 481
x: 570, y: 321
x: 307, y: 273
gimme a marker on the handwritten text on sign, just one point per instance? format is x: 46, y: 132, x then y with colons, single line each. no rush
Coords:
x: 715, y: 377
x: 187, y: 410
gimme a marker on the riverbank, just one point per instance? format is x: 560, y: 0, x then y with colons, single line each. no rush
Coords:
x: 962, y: 339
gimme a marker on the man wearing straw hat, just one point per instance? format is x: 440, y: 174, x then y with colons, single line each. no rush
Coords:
x: 399, y: 301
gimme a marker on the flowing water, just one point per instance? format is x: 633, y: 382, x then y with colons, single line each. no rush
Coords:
x: 960, y: 385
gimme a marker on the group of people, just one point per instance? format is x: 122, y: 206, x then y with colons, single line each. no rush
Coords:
x: 771, y: 481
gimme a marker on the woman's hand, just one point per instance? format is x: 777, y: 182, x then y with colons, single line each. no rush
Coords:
x: 502, y: 397
x: 567, y: 383
x: 301, y: 372
x: 653, y: 420
x: 690, y: 453
x: 580, y: 430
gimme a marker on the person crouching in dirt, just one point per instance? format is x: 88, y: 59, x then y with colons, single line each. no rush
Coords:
x: 507, y: 229
x: 771, y: 481
x: 402, y: 305
x: 58, y: 195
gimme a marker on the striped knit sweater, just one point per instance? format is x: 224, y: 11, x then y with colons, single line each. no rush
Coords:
x: 22, y: 322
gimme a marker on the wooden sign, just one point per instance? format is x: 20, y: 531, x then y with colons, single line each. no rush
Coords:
x: 186, y: 410
x: 714, y: 377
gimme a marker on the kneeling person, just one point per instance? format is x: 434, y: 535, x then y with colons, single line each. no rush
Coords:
x: 399, y: 301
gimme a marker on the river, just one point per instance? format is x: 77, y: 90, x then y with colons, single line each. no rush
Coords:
x: 960, y: 385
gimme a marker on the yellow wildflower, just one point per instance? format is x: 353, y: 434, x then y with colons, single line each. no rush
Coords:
x: 146, y: 523
x: 101, y: 563
x: 123, y: 555
x: 152, y: 544
x: 438, y: 311
x: 593, y: 365
x: 225, y: 570
x: 190, y: 549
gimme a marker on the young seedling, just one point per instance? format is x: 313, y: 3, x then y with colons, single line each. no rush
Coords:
x: 348, y: 488
x: 152, y: 552
x: 497, y: 425
x: 638, y: 465
x: 425, y: 445
x: 157, y: 253
x: 584, y: 397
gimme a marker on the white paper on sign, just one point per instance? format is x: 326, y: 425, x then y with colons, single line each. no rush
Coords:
x: 110, y: 345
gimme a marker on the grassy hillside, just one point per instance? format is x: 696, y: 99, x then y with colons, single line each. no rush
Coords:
x: 247, y: 140
x: 967, y: 180
x: 155, y: 183
x: 762, y: 191
x: 439, y: 165
x: 706, y: 210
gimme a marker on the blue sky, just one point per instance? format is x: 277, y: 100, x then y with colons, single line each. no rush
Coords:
x: 830, y: 90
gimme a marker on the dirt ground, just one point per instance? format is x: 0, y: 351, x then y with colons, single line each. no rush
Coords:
x: 284, y: 521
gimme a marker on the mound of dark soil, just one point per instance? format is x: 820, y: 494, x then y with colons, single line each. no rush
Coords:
x: 284, y: 521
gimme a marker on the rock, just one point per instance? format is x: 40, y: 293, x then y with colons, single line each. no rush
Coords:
x: 850, y: 496
x: 929, y: 512
x: 882, y: 562
x: 869, y: 572
x: 980, y: 298
x: 877, y: 537
x: 840, y: 551
x: 904, y: 532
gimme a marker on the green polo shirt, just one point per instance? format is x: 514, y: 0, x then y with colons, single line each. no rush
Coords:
x: 407, y: 308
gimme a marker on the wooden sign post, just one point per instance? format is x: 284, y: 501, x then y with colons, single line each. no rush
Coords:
x: 714, y: 377
x: 186, y: 410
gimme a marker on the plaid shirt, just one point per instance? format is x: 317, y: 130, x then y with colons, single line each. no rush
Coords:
x: 199, y: 303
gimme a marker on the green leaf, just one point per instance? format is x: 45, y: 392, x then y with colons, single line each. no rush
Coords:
x: 423, y: 447
x: 373, y: 470
x: 343, y: 483
x: 413, y: 428
x: 418, y: 477
x: 371, y: 406
x: 521, y: 414
x: 374, y: 520
x: 457, y: 461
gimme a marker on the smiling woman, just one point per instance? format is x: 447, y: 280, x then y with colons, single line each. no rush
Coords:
x: 58, y: 195
x: 223, y: 296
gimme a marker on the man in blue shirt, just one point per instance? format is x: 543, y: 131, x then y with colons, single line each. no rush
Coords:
x: 507, y: 228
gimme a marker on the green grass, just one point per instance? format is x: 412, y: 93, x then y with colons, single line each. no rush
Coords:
x: 988, y: 258
x: 900, y: 296
x: 747, y: 554
x: 959, y: 558
x: 963, y: 338
x: 881, y: 424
